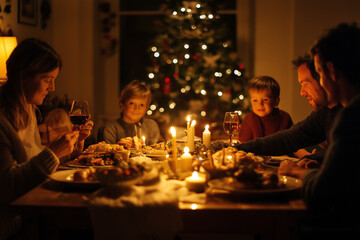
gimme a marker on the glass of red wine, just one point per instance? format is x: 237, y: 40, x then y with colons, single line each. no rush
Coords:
x: 231, y: 124
x: 79, y: 114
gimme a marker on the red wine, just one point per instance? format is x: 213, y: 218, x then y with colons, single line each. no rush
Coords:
x: 231, y: 127
x: 79, y: 119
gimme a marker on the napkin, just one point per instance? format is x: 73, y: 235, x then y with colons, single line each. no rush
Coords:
x: 141, y: 212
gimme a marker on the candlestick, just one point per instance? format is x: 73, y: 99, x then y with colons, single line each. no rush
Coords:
x: 188, y: 130
x: 186, y: 160
x: 195, y: 183
x: 206, y: 136
x: 191, y: 143
x: 174, y: 147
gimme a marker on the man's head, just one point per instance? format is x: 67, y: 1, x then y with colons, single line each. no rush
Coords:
x: 337, y: 58
x: 309, y: 81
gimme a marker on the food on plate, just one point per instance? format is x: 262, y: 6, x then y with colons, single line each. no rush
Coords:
x: 104, y: 147
x: 124, y: 172
x: 84, y: 175
x: 231, y: 157
x: 131, y: 142
x: 247, y: 177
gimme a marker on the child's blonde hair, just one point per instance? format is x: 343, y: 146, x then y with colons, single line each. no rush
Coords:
x: 135, y: 89
x: 265, y: 83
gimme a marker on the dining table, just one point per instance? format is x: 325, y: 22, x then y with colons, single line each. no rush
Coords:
x: 53, y: 210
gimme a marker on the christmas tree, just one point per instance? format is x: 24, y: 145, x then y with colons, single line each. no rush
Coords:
x: 195, y: 68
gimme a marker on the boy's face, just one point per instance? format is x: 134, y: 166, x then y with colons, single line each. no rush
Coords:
x: 262, y: 102
x: 134, y: 109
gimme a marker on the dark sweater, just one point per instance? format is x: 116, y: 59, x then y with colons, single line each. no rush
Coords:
x: 254, y: 126
x: 334, y: 189
x: 311, y: 131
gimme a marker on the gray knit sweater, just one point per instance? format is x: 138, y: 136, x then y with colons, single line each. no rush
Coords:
x: 17, y: 174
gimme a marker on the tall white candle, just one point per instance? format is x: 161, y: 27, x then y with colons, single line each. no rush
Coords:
x: 206, y: 136
x: 186, y: 160
x: 174, y: 147
x: 191, y: 143
x: 143, y: 137
x: 188, y: 130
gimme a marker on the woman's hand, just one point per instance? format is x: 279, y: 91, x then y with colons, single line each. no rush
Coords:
x: 85, y: 130
x: 308, y: 163
x: 65, y: 144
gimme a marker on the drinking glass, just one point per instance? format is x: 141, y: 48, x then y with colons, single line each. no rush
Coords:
x: 231, y: 123
x: 79, y: 114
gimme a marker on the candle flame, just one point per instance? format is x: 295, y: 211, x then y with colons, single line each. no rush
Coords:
x: 143, y: 138
x: 195, y: 174
x: 186, y: 150
x: 207, y: 127
x: 193, y: 123
x: 188, y: 118
x: 173, y: 131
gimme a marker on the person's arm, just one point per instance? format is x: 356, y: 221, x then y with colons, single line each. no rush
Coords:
x: 308, y: 132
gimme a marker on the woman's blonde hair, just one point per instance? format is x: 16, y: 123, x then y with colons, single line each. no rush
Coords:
x: 135, y: 89
x: 29, y: 58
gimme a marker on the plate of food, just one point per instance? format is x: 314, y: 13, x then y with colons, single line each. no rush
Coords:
x: 255, y: 184
x: 76, y: 177
x: 276, y: 160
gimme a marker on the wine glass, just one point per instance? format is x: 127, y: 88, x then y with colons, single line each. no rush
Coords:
x: 231, y: 124
x: 79, y: 114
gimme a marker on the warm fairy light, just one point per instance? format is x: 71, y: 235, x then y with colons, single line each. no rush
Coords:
x: 220, y: 93
x: 203, y: 92
x: 188, y: 10
x: 156, y: 54
x: 204, y: 46
x: 187, y: 87
x: 154, y: 49
x: 225, y: 44
x: 186, y: 46
x: 241, y: 97
x: 182, y: 90
x: 183, y: 9
x: 168, y: 61
x: 187, y: 56
x: 228, y: 71
x: 175, y: 61
x: 203, y: 16
x: 172, y: 105
x: 151, y: 75
x: 153, y: 107
x: 149, y: 112
x: 173, y: 131
x: 193, y: 27
x: 161, y: 109
x: 203, y: 113
x: 187, y: 78
x: 210, y: 16
x: 174, y: 13
x: 237, y: 72
x: 218, y: 74
x: 198, y: 5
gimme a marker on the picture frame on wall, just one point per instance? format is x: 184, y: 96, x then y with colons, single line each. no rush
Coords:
x: 27, y: 12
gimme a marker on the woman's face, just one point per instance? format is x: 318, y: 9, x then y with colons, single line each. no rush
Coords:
x: 42, y: 84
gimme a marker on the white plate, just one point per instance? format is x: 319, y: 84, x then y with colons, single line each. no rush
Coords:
x: 157, y: 156
x: 67, y: 176
x: 291, y: 184
x: 75, y: 165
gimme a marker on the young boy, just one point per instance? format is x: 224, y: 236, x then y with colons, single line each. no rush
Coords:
x: 134, y: 101
x: 266, y: 118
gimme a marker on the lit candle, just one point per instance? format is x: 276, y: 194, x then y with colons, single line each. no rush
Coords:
x: 195, y: 182
x: 191, y: 143
x: 188, y: 130
x: 174, y: 147
x: 143, y: 137
x: 206, y: 136
x: 186, y: 160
